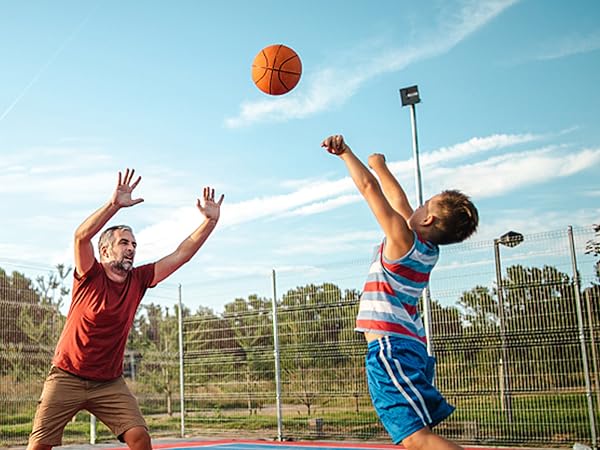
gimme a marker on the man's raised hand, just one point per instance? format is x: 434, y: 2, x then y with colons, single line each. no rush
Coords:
x: 122, y: 195
x: 209, y: 208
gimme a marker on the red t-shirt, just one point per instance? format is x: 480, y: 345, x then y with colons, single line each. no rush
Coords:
x: 92, y: 343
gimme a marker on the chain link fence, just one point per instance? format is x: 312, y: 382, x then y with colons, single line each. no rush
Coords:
x: 514, y: 330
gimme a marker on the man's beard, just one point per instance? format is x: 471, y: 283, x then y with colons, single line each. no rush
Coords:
x: 122, y: 265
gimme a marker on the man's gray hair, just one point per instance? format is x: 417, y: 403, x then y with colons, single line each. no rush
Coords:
x: 108, y: 236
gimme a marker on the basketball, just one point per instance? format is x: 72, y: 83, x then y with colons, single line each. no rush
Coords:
x: 276, y: 69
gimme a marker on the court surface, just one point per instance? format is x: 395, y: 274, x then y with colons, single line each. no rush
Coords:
x: 242, y: 444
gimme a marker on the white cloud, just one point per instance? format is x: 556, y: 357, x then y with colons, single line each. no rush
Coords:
x: 329, y: 244
x: 466, y: 166
x: 494, y: 176
x: 331, y: 86
x: 502, y: 174
x: 526, y: 220
x: 243, y: 270
x: 476, y: 146
x: 318, y: 207
x: 67, y: 175
x: 571, y: 45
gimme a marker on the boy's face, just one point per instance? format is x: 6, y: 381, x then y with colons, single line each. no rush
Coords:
x: 424, y: 215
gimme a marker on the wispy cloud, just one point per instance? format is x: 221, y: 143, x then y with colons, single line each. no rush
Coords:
x: 482, y: 177
x: 316, y: 245
x: 484, y: 167
x: 570, y: 45
x: 477, y: 145
x: 330, y: 86
x: 506, y: 173
x: 58, y: 174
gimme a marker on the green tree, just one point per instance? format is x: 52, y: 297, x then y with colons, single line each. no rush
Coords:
x: 592, y: 247
x: 154, y: 341
x: 351, y: 373
x: 252, y: 328
x: 310, y: 328
x: 30, y: 320
x: 479, y: 310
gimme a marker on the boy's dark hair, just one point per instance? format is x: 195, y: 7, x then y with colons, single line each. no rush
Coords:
x: 457, y: 218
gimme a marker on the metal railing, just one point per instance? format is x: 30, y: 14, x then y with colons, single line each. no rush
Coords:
x: 516, y: 354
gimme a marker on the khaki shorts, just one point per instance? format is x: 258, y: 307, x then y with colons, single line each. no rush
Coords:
x: 65, y: 394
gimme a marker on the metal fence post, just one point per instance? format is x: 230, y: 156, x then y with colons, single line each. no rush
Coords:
x: 505, y: 390
x: 584, y: 357
x: 92, y: 429
x: 277, y: 367
x: 590, y: 320
x: 181, y: 387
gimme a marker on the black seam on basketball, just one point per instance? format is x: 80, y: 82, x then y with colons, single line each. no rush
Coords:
x: 287, y: 71
x: 273, y: 69
x: 287, y: 88
x: 256, y: 80
x: 271, y: 82
x: 289, y: 59
x: 261, y: 77
x: 279, y: 70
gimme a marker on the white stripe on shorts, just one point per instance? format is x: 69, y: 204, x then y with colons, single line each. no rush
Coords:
x: 412, y: 388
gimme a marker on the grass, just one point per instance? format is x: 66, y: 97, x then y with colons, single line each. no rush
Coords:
x: 538, y: 419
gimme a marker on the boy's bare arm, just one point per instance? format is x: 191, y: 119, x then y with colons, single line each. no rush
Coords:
x: 399, y: 237
x: 391, y: 188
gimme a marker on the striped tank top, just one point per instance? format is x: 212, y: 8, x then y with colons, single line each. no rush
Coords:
x: 388, y: 303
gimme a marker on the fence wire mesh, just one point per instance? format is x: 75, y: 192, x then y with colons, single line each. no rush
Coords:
x: 512, y: 331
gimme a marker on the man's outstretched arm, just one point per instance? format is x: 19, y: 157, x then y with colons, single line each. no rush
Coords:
x: 121, y: 198
x: 211, y: 211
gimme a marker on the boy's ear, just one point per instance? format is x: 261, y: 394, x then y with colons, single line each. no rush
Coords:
x: 429, y: 220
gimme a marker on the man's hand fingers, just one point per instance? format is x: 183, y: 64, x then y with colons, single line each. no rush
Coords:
x: 221, y: 199
x: 136, y: 182
x: 126, y: 176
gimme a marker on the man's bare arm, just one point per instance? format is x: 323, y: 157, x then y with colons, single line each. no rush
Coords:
x: 121, y: 198
x: 188, y: 248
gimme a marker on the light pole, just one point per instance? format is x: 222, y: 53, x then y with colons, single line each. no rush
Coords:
x: 409, y: 96
x: 510, y: 239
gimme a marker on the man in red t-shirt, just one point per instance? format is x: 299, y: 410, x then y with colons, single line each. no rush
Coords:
x: 87, y: 366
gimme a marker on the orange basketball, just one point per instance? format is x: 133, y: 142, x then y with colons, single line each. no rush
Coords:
x: 276, y: 69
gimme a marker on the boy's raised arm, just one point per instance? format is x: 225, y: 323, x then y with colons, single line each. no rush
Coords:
x: 399, y: 237
x: 391, y: 188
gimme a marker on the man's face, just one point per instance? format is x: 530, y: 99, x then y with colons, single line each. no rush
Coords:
x: 122, y: 252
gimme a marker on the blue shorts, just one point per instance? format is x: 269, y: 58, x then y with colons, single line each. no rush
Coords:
x: 400, y: 376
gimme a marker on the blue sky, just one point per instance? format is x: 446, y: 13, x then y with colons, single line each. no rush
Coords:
x: 509, y: 113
